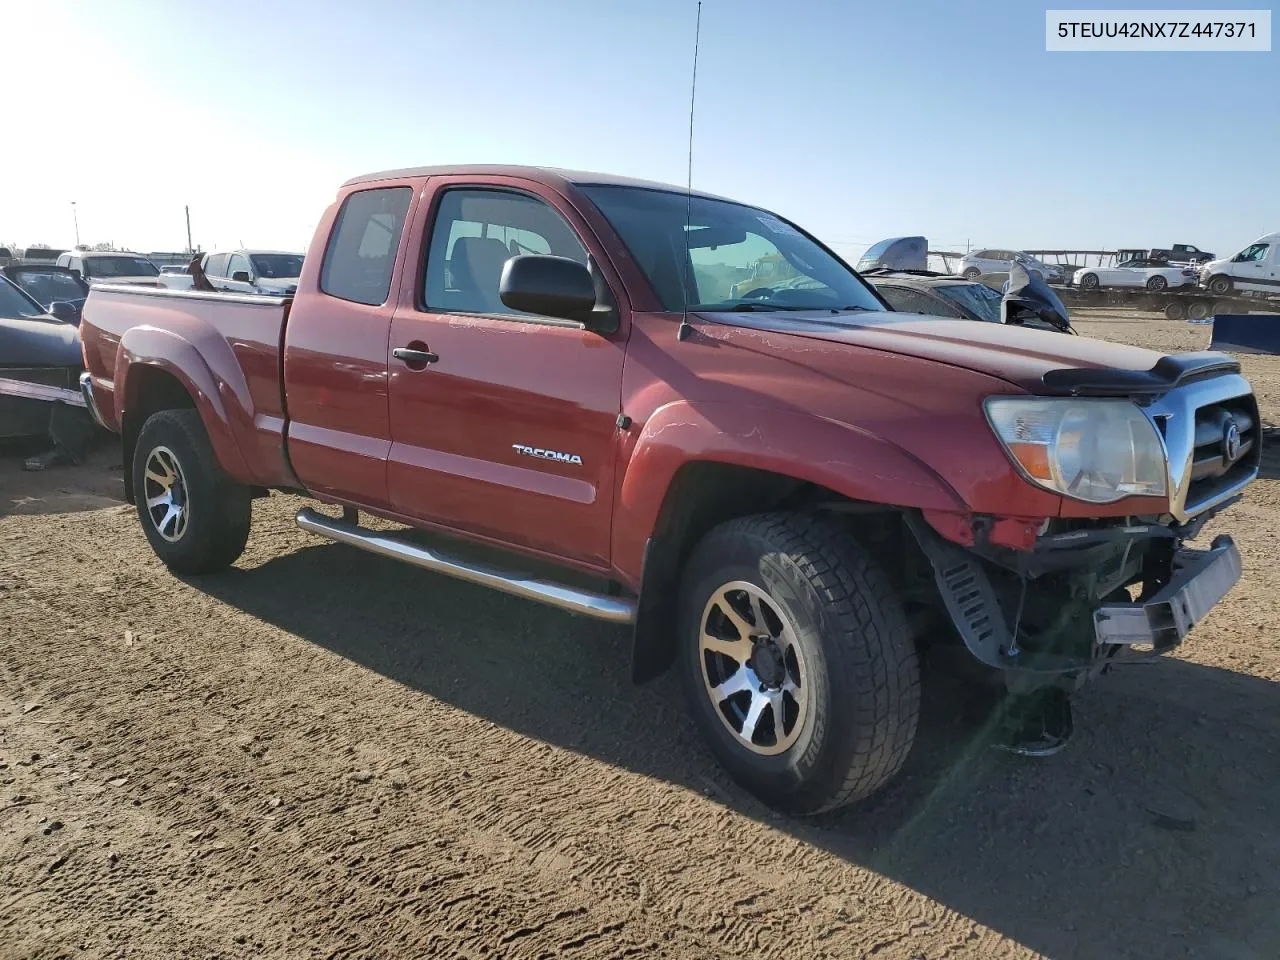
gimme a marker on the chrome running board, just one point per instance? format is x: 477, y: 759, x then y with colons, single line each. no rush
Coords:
x: 597, y: 605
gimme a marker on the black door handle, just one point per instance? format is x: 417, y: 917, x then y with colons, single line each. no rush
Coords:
x: 414, y: 357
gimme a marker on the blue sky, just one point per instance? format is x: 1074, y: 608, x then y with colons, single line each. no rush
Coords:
x: 858, y: 120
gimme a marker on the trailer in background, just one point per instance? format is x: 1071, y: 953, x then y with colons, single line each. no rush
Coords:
x: 1188, y: 303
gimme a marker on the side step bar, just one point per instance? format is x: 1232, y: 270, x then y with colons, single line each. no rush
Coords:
x: 597, y: 605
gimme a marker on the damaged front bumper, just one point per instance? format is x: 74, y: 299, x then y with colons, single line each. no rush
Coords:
x: 1061, y: 612
x: 1201, y: 578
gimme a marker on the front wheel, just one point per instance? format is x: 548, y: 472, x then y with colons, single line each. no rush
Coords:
x: 1220, y: 285
x: 798, y: 663
x: 195, y: 517
x: 1089, y: 282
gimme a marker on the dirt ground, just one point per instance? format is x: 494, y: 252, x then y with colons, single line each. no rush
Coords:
x: 324, y: 754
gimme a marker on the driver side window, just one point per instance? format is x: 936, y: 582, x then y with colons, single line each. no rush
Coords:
x: 475, y: 232
x: 1252, y: 254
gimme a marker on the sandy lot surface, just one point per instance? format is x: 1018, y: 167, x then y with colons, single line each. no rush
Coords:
x: 322, y: 754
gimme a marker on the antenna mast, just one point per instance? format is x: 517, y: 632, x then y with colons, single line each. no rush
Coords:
x: 685, y: 330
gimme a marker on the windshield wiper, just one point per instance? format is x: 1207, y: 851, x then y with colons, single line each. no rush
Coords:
x: 754, y: 305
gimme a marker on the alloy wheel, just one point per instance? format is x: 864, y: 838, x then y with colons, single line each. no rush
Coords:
x: 166, y: 494
x: 753, y: 669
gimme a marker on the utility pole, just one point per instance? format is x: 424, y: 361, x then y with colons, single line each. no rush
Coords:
x: 190, y: 249
x: 76, y: 220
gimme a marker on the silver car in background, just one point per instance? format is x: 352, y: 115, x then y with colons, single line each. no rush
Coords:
x: 974, y: 265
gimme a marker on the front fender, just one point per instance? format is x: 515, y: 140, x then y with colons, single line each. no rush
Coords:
x: 220, y: 396
x: 846, y: 459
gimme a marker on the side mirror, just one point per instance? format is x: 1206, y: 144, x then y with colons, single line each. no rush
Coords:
x: 550, y: 286
x: 66, y: 312
x: 240, y: 276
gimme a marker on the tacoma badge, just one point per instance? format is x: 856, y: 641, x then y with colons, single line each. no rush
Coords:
x: 541, y: 454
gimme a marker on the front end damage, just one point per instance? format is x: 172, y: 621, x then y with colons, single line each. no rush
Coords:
x: 1088, y: 594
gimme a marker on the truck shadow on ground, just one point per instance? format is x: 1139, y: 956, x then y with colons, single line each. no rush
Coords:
x: 1153, y: 835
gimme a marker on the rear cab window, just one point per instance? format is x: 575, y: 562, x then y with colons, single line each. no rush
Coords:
x: 363, y: 244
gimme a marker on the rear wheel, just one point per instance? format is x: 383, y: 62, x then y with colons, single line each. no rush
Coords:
x: 1220, y: 285
x: 1197, y: 310
x: 1175, y: 310
x: 798, y: 662
x: 1157, y: 283
x: 1089, y: 282
x: 972, y: 273
x: 195, y: 517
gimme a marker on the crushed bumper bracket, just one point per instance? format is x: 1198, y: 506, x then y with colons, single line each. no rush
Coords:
x: 1201, y: 578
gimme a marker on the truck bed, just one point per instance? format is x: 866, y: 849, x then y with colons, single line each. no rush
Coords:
x: 233, y: 343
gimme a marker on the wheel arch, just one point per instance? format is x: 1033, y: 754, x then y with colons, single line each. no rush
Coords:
x: 670, y: 498
x: 176, y: 379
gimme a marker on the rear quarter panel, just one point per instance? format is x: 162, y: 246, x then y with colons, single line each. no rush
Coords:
x: 224, y: 349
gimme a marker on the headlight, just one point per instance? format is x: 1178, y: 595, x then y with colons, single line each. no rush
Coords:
x: 1096, y: 450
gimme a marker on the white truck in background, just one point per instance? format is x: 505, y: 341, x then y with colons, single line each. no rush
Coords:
x: 1255, y: 269
x: 270, y: 272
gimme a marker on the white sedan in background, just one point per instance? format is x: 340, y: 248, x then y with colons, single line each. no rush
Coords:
x: 1155, y: 275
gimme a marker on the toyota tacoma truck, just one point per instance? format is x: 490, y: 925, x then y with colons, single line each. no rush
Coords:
x: 786, y: 491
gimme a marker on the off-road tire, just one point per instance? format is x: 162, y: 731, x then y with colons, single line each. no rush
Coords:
x: 219, y: 508
x: 864, y: 675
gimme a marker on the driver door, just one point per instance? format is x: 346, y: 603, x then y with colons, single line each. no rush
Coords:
x: 510, y: 432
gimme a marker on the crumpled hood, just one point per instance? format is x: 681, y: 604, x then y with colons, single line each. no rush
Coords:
x: 1019, y: 355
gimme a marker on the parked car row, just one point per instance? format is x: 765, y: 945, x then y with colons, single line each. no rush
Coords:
x: 271, y: 272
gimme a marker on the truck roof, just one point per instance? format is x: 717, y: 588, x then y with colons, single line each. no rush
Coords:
x: 551, y: 176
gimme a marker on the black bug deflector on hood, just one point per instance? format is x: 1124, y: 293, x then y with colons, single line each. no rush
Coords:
x: 1169, y: 372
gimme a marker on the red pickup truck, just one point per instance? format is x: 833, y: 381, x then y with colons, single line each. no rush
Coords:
x: 787, y: 490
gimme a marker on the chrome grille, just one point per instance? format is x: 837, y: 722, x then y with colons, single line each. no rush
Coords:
x: 1212, y: 469
x: 1193, y: 420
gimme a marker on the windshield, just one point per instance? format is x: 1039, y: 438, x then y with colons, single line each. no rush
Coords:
x: 15, y: 306
x: 976, y: 298
x: 48, y: 287
x: 119, y: 267
x: 739, y: 257
x: 277, y: 266
x: 1254, y: 251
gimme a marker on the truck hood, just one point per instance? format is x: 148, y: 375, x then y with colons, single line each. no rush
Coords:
x: 1018, y: 355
